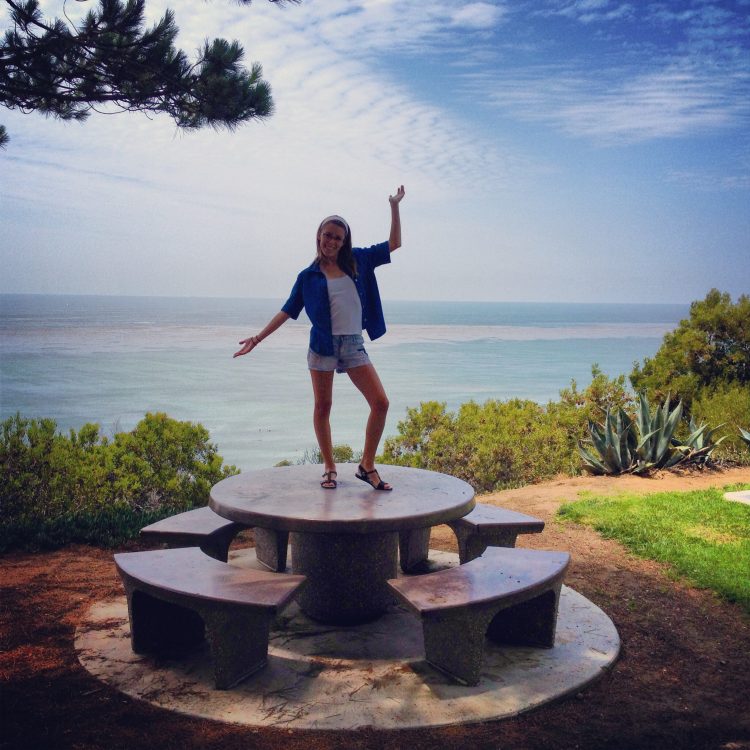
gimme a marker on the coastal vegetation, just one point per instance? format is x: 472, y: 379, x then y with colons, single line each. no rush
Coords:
x: 699, y: 534
x: 501, y: 444
x: 83, y: 487
x: 703, y: 368
x: 342, y: 454
x: 708, y: 350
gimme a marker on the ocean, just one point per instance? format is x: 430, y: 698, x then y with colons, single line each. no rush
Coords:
x: 110, y: 360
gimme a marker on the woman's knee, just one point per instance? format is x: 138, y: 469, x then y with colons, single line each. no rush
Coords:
x: 322, y: 409
x: 380, y: 404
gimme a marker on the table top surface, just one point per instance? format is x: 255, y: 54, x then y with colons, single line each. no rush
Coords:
x: 290, y: 498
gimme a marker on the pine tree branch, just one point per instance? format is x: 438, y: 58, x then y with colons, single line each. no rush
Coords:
x: 109, y: 58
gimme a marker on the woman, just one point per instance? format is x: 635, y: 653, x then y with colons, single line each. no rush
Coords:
x: 339, y: 293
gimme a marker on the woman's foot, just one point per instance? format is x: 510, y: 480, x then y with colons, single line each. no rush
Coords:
x: 372, y: 478
x: 329, y: 483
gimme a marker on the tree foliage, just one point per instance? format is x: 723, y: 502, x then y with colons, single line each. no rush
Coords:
x: 66, y: 69
x: 84, y: 483
x: 709, y: 349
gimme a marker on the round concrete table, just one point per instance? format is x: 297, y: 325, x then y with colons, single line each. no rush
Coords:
x: 344, y: 540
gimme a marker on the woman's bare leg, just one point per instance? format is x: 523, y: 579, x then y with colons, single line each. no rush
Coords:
x: 368, y: 382
x: 322, y: 383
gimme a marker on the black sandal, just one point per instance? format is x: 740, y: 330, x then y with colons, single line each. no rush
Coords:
x: 364, y: 476
x: 329, y: 480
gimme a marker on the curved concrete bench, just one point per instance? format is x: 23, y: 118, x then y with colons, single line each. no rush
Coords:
x: 510, y: 595
x: 486, y: 526
x: 195, y: 528
x: 178, y: 597
x: 491, y: 526
x: 213, y: 534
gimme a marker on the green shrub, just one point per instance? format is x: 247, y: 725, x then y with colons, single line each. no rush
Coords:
x: 494, y: 445
x: 163, y: 461
x: 107, y: 527
x: 84, y: 487
x: 421, y: 436
x: 342, y: 454
x: 601, y: 395
x: 727, y: 404
x: 505, y: 443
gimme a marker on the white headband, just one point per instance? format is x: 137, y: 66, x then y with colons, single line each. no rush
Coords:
x: 334, y: 218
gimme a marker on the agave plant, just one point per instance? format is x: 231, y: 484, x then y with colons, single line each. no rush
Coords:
x: 614, y: 442
x: 700, y: 443
x: 745, y: 435
x: 619, y: 449
x: 657, y: 448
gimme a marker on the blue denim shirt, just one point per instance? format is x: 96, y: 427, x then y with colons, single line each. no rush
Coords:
x: 311, y: 292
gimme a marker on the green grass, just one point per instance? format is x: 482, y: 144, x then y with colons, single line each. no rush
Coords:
x: 705, y: 538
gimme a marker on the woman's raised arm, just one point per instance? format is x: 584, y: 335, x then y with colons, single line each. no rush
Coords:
x: 250, y: 343
x: 394, y: 240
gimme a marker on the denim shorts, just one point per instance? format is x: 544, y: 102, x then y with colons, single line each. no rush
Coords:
x: 348, y: 351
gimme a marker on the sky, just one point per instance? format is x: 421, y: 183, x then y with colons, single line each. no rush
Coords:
x: 554, y: 150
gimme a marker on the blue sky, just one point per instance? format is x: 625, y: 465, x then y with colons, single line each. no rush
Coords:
x: 563, y: 150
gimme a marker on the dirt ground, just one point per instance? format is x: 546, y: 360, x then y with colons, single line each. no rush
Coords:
x: 682, y: 679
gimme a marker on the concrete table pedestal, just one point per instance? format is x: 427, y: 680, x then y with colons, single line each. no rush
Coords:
x: 346, y: 575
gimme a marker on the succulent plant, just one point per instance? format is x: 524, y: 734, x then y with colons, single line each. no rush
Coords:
x: 745, y: 435
x: 623, y: 445
x: 656, y: 448
x: 700, y: 442
x: 614, y: 442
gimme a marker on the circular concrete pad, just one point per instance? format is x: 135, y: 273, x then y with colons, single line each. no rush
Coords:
x: 739, y: 497
x: 371, y: 675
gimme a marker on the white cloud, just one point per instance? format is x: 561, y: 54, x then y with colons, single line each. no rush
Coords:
x: 668, y: 103
x: 592, y: 11
x: 710, y: 182
x: 680, y: 99
x: 478, y: 15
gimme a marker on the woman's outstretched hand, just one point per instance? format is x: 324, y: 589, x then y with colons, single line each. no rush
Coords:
x: 399, y: 195
x: 247, y: 346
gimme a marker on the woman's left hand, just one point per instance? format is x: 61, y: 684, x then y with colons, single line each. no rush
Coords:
x: 247, y: 346
x: 399, y: 195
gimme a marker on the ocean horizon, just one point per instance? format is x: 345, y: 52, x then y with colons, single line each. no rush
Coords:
x: 110, y: 359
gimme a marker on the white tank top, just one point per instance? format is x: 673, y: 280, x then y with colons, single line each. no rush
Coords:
x: 346, y: 309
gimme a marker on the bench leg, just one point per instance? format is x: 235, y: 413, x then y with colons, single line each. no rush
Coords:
x: 472, y: 544
x: 271, y: 547
x: 455, y: 645
x: 414, y: 548
x: 238, y: 641
x: 530, y: 623
x: 217, y: 545
x: 161, y: 627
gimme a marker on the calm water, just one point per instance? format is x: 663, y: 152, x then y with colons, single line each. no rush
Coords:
x: 111, y: 359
